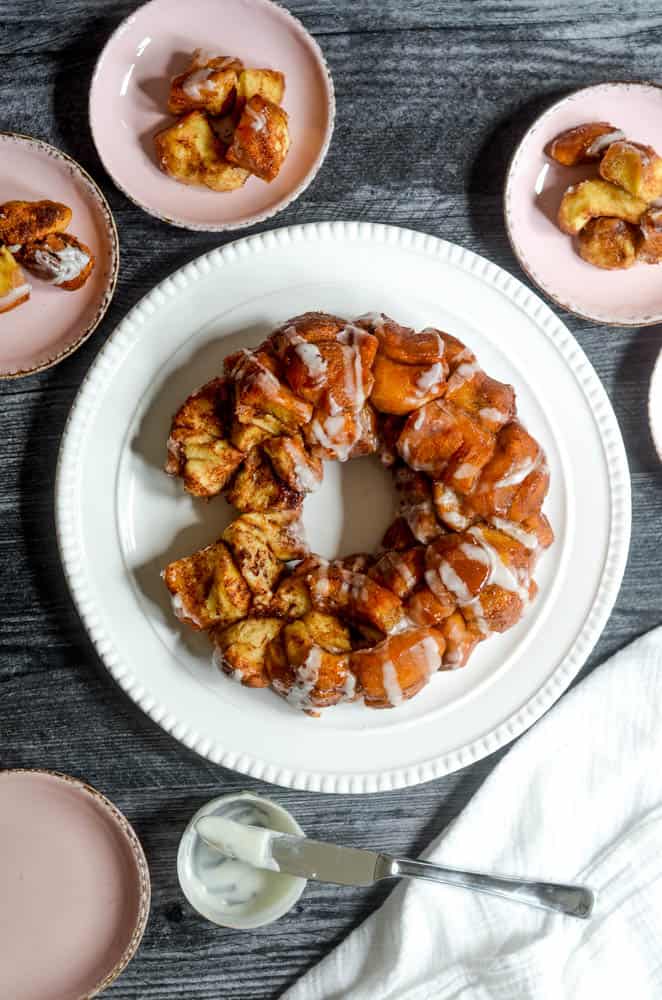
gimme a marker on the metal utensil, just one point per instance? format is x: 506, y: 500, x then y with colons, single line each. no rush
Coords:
x: 322, y: 862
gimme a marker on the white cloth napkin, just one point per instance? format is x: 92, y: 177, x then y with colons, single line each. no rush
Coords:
x: 577, y: 799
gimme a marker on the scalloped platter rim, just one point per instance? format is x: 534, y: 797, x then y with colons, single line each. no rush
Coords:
x: 119, y: 518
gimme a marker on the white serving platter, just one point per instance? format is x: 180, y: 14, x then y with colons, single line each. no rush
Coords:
x: 120, y: 519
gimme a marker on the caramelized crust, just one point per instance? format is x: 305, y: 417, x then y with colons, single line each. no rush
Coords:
x: 635, y: 168
x: 583, y: 143
x: 609, y: 243
x: 257, y: 487
x: 209, y: 84
x: 261, y: 398
x: 197, y: 447
x: 241, y: 650
x: 459, y: 557
x: 14, y: 290
x: 60, y: 259
x: 27, y: 221
x: 261, y: 543
x: 398, y: 667
x: 261, y: 139
x: 207, y: 588
x: 308, y: 663
x: 190, y: 152
x: 340, y: 591
x: 268, y: 83
x: 296, y: 467
x: 650, y: 243
x: 594, y: 198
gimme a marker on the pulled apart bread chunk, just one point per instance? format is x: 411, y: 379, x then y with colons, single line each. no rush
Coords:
x: 59, y: 258
x: 583, y: 144
x: 261, y: 139
x: 189, y: 151
x: 609, y: 243
x: 14, y: 289
x: 594, y: 198
x: 209, y: 84
x: 25, y: 221
x: 635, y: 168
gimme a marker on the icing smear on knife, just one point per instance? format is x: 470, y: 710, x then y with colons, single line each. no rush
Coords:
x: 250, y: 844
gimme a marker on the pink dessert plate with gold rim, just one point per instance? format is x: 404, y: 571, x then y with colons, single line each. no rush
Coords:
x: 53, y: 322
x: 75, y: 888
x: 535, y: 186
x: 129, y: 94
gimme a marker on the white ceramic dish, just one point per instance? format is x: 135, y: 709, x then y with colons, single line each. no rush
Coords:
x: 273, y: 895
x: 120, y: 519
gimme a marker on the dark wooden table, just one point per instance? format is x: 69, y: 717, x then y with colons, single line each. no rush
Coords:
x: 432, y: 98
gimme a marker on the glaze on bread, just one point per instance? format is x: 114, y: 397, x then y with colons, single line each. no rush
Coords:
x: 457, y: 563
x: 59, y: 259
x: 261, y: 139
x: 14, y: 289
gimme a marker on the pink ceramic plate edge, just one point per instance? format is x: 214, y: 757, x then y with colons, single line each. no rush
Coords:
x: 106, y: 293
x: 144, y: 886
x: 617, y: 284
x: 255, y: 217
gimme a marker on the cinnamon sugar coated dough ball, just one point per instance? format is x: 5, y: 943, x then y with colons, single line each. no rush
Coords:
x: 457, y: 563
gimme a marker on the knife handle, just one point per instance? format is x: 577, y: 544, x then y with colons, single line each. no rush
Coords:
x: 573, y: 900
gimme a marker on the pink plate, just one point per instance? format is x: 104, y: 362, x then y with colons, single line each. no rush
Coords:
x: 75, y: 888
x: 130, y: 89
x: 53, y: 322
x: 534, y: 188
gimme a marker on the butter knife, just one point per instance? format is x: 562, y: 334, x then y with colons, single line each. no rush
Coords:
x: 323, y: 862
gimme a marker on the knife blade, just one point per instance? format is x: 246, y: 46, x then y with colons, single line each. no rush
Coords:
x: 311, y: 859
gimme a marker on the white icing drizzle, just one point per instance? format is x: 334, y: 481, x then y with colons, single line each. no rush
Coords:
x: 404, y: 624
x: 603, y: 141
x: 431, y: 378
x: 401, y: 569
x: 350, y: 340
x: 392, y: 684
x: 427, y: 649
x: 447, y: 504
x: 441, y: 346
x: 349, y: 687
x: 311, y: 357
x: 306, y: 676
x: 14, y: 294
x: 526, y: 538
x: 62, y: 265
x: 466, y: 471
x: 493, y: 416
x: 418, y: 421
x: 306, y: 479
x: 258, y: 119
x: 463, y: 373
x: 421, y: 518
x: 518, y: 473
x: 198, y: 83
x: 452, y: 581
x: 501, y: 575
x: 263, y: 377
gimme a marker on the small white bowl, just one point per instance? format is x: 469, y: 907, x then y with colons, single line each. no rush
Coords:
x: 279, y: 893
